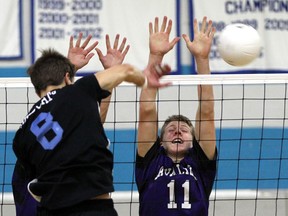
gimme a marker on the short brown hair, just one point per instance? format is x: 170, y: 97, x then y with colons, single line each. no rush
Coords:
x: 50, y: 69
x: 179, y: 118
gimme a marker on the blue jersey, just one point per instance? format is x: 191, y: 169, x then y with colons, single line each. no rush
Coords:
x: 169, y: 189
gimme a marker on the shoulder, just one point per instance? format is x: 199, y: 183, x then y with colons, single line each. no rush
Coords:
x: 90, y: 85
x: 86, y: 81
x: 198, y: 155
x: 154, y: 152
x: 196, y: 149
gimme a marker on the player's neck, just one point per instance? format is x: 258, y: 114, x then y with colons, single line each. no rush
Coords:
x: 50, y: 88
x: 176, y: 159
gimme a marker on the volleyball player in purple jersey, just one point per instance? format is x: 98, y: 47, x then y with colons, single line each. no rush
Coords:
x: 175, y: 171
x: 61, y: 146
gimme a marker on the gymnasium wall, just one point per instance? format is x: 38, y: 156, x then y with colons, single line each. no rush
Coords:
x: 23, y: 50
x: 31, y: 25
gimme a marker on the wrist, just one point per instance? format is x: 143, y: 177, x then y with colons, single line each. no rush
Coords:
x: 155, y: 58
x: 202, y: 60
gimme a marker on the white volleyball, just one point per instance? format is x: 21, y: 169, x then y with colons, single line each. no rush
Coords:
x: 239, y: 44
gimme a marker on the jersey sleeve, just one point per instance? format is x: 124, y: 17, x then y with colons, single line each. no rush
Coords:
x: 142, y: 162
x: 90, y: 85
x: 207, y: 167
x: 201, y: 156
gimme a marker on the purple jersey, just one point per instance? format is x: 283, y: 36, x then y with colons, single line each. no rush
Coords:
x: 25, y: 204
x: 167, y: 188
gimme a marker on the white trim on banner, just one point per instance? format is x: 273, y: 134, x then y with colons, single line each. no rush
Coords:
x: 268, y: 17
x: 54, y: 21
x: 10, y: 28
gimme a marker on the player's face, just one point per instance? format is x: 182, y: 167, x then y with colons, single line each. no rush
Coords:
x: 177, y: 139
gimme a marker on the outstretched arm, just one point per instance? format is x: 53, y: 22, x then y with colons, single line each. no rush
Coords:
x: 112, y: 77
x: 78, y: 54
x: 159, y: 45
x: 200, y: 49
x: 115, y: 56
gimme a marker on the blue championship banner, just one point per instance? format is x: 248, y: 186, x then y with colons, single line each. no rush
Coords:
x: 268, y: 17
x: 54, y: 21
x: 10, y: 26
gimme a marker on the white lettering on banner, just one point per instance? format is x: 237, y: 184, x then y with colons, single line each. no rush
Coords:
x: 178, y: 170
x: 234, y: 7
x: 268, y: 17
x: 54, y: 16
x: 54, y: 21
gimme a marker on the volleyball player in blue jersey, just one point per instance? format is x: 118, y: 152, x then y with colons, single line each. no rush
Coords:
x: 61, y: 146
x: 175, y: 171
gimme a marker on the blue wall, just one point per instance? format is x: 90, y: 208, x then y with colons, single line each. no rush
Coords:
x: 248, y: 158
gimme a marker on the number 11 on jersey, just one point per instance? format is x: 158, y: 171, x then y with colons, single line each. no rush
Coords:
x: 172, y: 204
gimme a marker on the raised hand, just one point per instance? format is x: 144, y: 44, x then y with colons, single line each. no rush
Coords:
x: 115, y: 55
x: 159, y: 43
x: 201, y: 45
x: 78, y: 54
x: 153, y: 74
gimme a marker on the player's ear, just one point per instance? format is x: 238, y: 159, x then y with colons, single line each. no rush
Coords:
x: 67, y: 79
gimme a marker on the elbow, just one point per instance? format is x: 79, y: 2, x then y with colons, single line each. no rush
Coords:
x: 147, y: 107
x: 207, y: 111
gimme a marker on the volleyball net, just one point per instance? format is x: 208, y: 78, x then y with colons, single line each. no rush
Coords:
x: 252, y: 139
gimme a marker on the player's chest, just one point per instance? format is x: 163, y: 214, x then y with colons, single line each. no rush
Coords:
x: 174, y: 172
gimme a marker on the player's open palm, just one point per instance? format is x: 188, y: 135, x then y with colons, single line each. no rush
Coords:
x: 115, y: 55
x: 203, y: 38
x: 153, y: 74
x: 159, y: 38
x: 79, y: 55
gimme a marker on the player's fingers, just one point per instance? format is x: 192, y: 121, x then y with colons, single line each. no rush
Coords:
x: 164, y: 23
x: 78, y: 42
x: 89, y: 56
x: 158, y: 69
x: 165, y: 84
x: 122, y: 44
x: 209, y: 28
x: 166, y: 69
x: 99, y: 53
x: 204, y: 23
x: 212, y: 32
x: 162, y: 70
x: 174, y: 41
x: 156, y: 27
x: 86, y: 41
x: 186, y: 38
x: 116, y: 41
x: 169, y: 27
x: 90, y: 48
x: 71, y: 42
x: 108, y: 45
x: 195, y: 26
x: 150, y: 28
x: 126, y: 50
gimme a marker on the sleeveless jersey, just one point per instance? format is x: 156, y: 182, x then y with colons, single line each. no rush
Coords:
x: 62, y: 144
x: 169, y: 189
